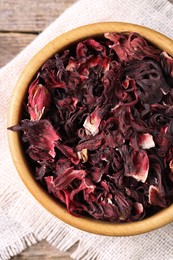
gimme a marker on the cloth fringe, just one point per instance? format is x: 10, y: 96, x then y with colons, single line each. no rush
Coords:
x: 17, y: 247
x: 54, y: 231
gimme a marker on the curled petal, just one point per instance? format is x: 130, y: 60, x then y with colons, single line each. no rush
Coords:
x: 38, y: 100
x: 92, y: 122
x: 155, y: 197
x: 138, y: 166
x: 40, y: 135
x: 167, y: 64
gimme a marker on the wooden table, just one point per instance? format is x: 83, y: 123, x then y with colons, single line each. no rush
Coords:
x: 20, y: 22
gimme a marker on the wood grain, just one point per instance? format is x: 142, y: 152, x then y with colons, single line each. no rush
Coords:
x: 42, y: 251
x: 11, y: 44
x: 21, y: 21
x: 30, y: 16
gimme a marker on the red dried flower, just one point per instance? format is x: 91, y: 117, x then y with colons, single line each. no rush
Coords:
x: 38, y: 100
x: 105, y: 145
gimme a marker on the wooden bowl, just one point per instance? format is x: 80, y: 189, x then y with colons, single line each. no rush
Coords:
x: 15, y: 108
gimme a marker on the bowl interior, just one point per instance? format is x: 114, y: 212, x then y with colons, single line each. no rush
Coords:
x: 15, y: 109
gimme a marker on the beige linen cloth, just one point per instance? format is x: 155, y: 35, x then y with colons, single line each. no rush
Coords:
x: 23, y: 221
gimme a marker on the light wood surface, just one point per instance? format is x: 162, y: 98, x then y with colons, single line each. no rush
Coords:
x: 11, y: 44
x: 42, y: 251
x: 30, y: 16
x: 20, y: 22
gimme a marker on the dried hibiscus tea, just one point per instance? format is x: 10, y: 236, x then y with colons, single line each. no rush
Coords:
x: 99, y: 130
x: 38, y: 100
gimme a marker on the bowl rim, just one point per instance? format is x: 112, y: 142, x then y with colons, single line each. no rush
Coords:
x: 61, y: 42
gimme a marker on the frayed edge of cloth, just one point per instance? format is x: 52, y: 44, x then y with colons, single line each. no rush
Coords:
x: 17, y: 247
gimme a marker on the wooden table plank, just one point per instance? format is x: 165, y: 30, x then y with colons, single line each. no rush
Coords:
x: 42, y: 251
x: 30, y: 16
x: 21, y: 21
x: 11, y: 44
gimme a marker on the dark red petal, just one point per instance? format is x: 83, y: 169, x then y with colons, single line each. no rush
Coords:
x: 38, y: 101
x: 40, y: 135
x: 140, y: 168
x: 155, y: 197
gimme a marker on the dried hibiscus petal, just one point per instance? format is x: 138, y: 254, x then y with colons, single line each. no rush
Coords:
x: 155, y: 197
x: 92, y: 122
x: 149, y: 78
x: 38, y: 100
x: 146, y: 141
x: 100, y: 127
x: 131, y: 47
x: 136, y: 164
x: 167, y: 64
x: 40, y: 135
